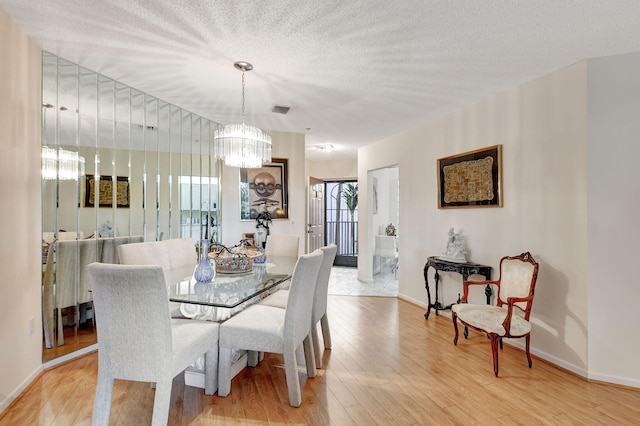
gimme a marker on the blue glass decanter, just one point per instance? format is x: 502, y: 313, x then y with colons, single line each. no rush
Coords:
x: 205, y: 272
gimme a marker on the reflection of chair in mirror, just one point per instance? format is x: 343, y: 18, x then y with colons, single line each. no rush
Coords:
x: 386, y: 248
x: 509, y: 318
x: 72, y: 287
x: 49, y: 237
x: 282, y: 245
x: 138, y: 339
x: 263, y: 328
x: 48, y: 299
x: 110, y: 247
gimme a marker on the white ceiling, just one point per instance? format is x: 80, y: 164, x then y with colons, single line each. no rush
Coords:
x: 352, y: 71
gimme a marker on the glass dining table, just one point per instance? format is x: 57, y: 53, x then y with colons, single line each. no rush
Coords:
x: 222, y: 298
x: 227, y: 294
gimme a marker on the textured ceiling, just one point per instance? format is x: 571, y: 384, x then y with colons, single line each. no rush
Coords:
x: 353, y: 72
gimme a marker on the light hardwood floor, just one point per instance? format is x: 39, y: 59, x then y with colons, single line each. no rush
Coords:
x: 388, y: 366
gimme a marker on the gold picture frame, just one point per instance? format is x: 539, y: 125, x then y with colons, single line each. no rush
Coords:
x: 105, y: 191
x: 471, y: 179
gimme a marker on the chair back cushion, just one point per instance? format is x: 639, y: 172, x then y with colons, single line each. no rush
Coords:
x: 132, y: 313
x: 297, y: 321
x: 322, y: 285
x: 145, y: 253
x: 282, y: 245
x: 517, y: 279
x: 182, y: 253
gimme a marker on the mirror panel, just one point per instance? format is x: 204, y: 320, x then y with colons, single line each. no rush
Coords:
x: 119, y: 166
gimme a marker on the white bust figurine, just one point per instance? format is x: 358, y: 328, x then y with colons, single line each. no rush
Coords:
x: 456, y: 248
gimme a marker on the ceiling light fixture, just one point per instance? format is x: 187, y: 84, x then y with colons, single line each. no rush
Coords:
x: 242, y: 145
x: 325, y: 148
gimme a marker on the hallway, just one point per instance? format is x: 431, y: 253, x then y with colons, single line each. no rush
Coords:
x: 344, y: 282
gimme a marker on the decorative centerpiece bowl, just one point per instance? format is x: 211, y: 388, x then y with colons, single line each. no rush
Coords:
x: 235, y: 260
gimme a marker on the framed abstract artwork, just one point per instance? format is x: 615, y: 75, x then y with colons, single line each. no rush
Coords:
x: 264, y: 190
x: 471, y: 179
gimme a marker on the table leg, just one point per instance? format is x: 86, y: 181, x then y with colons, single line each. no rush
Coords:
x: 488, y: 292
x: 426, y: 284
x: 436, y: 305
x: 465, y: 277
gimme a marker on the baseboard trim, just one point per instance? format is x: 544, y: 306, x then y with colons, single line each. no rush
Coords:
x: 70, y: 356
x: 13, y: 396
x: 412, y: 300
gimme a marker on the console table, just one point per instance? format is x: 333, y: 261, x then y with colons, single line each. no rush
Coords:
x: 464, y: 269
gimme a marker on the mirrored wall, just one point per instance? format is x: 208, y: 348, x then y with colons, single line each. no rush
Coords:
x: 118, y: 166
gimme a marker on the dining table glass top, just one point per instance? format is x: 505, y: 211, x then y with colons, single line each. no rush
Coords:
x: 230, y: 290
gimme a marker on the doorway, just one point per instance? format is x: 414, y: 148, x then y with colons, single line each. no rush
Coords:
x: 341, y: 224
x: 384, y: 213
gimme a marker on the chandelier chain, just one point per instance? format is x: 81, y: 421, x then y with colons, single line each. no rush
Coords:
x: 242, y: 96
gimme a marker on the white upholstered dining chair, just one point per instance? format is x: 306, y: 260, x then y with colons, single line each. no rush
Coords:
x: 282, y: 245
x: 261, y: 328
x: 176, y: 256
x: 280, y: 298
x: 140, y: 341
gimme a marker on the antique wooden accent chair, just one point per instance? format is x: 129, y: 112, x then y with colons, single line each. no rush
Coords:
x: 509, y: 318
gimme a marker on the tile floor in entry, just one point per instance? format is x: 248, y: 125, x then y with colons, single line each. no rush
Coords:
x: 344, y: 282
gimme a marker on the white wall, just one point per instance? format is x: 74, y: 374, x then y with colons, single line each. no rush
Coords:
x: 20, y: 216
x: 387, y: 211
x: 285, y: 145
x: 344, y: 169
x: 542, y: 126
x: 614, y: 231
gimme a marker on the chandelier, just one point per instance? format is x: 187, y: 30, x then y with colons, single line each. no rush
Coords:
x: 242, y: 145
x: 59, y: 163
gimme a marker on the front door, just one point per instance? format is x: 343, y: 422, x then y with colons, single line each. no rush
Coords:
x: 342, y: 220
x: 315, y: 223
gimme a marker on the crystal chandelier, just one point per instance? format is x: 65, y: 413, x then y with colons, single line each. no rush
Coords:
x: 242, y: 145
x: 59, y: 163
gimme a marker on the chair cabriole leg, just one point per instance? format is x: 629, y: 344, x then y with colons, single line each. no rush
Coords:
x: 454, y: 317
x: 495, y: 339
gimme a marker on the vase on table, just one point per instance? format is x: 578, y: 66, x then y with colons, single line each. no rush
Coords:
x: 260, y: 248
x: 205, y: 272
